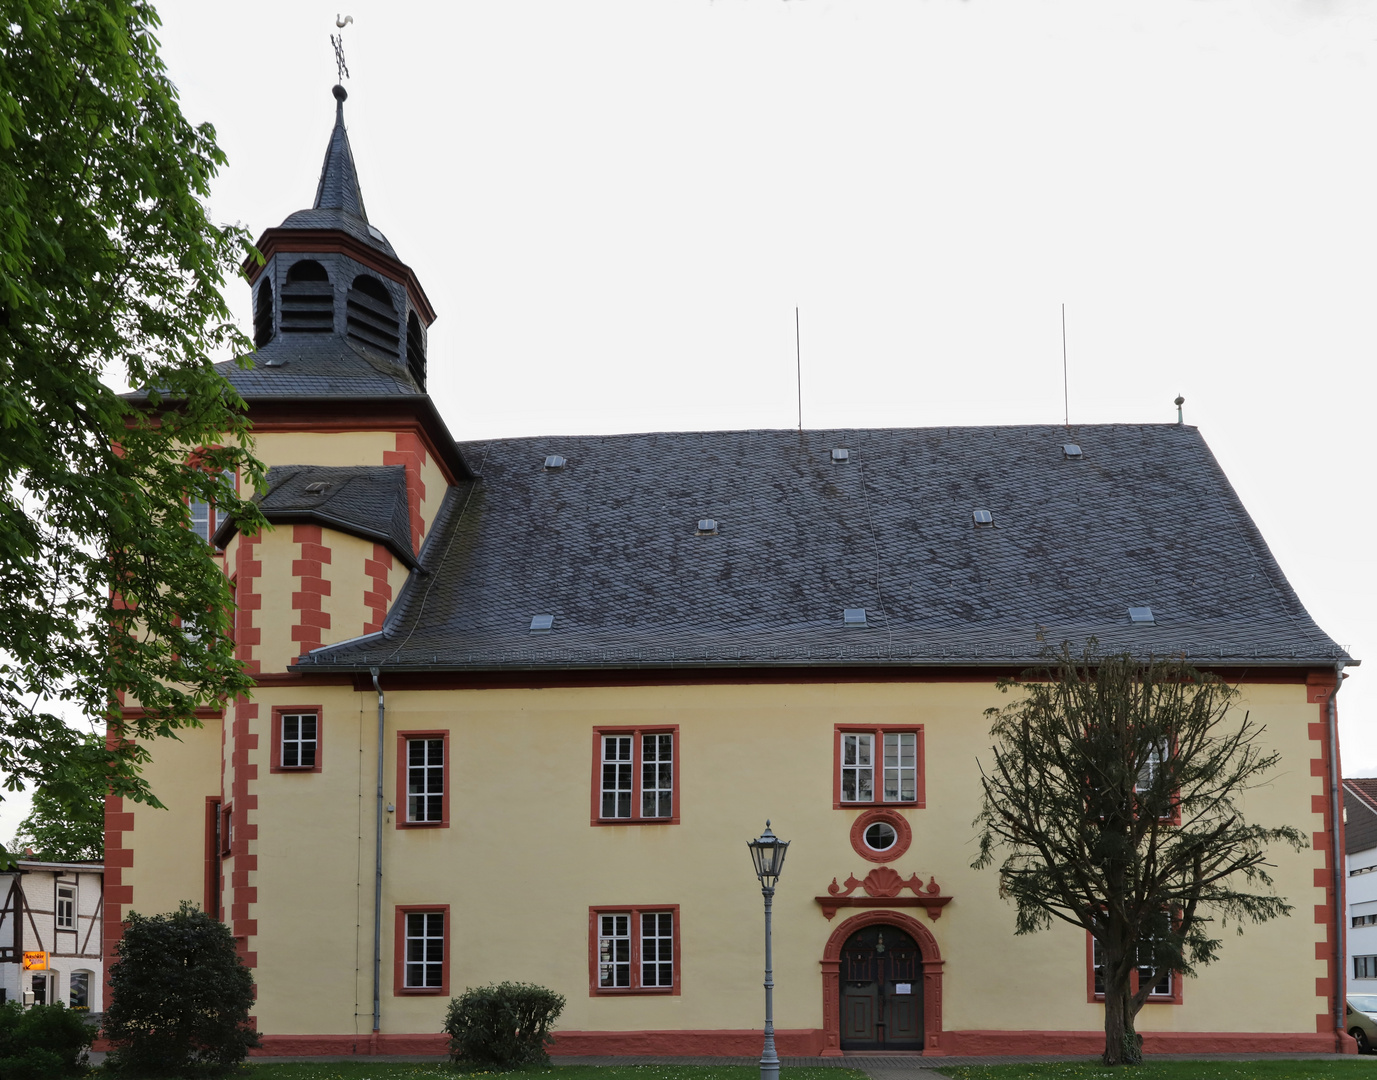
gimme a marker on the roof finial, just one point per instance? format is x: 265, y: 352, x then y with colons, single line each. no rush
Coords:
x: 1180, y: 419
x: 341, y: 68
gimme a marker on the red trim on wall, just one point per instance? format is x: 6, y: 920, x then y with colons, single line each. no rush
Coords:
x: 399, y: 952
x: 248, y: 568
x: 878, y: 730
x: 890, y: 816
x: 595, y: 815
x: 933, y: 1039
x: 117, y: 894
x: 312, y: 618
x: 1319, y: 686
x: 808, y: 1042
x: 400, y: 799
x: 635, y: 989
x: 244, y: 836
x: 275, y: 750
x: 411, y: 453
x: 211, y: 900
x: 378, y: 598
x: 1177, y: 981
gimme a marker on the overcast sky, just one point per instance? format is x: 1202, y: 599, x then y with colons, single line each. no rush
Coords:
x: 616, y: 206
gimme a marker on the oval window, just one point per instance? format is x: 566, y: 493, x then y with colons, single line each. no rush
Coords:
x: 880, y: 836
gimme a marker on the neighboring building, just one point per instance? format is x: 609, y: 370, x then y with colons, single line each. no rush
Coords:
x: 594, y: 666
x: 54, y: 908
x: 1360, y: 843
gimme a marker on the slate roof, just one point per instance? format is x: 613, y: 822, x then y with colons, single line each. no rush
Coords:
x: 1360, y: 814
x: 364, y: 501
x: 321, y: 366
x: 608, y: 545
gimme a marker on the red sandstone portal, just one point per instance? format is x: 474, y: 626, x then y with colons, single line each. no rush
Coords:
x: 932, y: 978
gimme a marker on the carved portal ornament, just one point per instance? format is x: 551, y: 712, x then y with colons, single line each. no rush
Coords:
x: 883, y: 887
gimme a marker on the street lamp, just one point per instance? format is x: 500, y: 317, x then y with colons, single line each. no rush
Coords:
x: 767, y: 852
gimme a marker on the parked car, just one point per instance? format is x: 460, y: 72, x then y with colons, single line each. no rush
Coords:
x: 1361, y: 1021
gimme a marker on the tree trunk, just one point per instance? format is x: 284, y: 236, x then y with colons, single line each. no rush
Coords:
x: 1122, y: 1045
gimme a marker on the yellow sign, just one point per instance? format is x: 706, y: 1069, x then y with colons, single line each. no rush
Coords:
x: 35, y: 961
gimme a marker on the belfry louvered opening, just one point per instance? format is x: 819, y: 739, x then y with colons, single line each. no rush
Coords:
x: 370, y: 317
x: 415, y: 350
x: 263, y: 314
x: 308, y: 301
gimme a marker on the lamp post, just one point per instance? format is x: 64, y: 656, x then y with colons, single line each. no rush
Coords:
x: 767, y: 852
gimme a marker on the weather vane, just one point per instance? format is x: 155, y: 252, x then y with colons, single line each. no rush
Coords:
x: 338, y: 42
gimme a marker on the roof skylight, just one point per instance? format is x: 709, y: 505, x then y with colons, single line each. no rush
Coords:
x: 853, y: 616
x: 1141, y: 615
x: 554, y: 461
x: 841, y: 454
x: 1071, y: 450
x: 983, y: 519
x: 540, y: 624
x: 707, y: 526
x: 318, y: 488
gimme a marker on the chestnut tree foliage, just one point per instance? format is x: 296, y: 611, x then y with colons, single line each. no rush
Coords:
x: 1112, y: 800
x: 110, y: 270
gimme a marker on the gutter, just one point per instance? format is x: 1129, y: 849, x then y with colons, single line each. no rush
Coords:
x: 378, y: 874
x: 1337, y: 862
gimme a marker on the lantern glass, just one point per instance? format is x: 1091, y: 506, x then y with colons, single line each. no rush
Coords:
x: 767, y: 853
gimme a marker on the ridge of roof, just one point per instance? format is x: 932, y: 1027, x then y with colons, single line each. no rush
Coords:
x: 1364, y: 788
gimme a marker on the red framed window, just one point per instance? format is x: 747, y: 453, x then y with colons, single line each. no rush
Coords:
x: 878, y: 765
x: 423, y: 780
x: 212, y: 857
x: 226, y: 830
x: 633, y: 950
x: 297, y: 738
x: 204, y: 517
x: 635, y: 776
x: 420, y: 955
x: 1166, y: 991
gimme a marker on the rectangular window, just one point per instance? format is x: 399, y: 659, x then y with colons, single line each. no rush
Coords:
x: 79, y: 991
x: 226, y: 831
x: 65, y: 916
x: 422, y: 779
x: 633, y: 950
x: 876, y: 766
x: 296, y: 738
x: 1365, y: 967
x: 634, y: 776
x: 421, y: 957
x: 204, y: 519
x: 1167, y: 989
x: 1365, y: 920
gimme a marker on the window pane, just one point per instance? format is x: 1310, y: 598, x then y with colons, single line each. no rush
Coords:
x: 425, y: 779
x: 858, y: 774
x: 616, y: 776
x: 614, y: 951
x: 425, y: 949
x: 901, y: 773
x: 657, y: 949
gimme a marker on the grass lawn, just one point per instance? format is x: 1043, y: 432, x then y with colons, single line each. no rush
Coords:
x: 1323, y: 1069
x: 362, y: 1070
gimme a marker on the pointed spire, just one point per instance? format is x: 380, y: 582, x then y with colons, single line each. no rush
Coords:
x: 339, y: 180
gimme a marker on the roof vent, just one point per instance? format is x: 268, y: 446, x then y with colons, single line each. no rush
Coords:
x: 853, y: 616
x: 540, y: 624
x: 376, y: 233
x: 554, y: 461
x: 841, y: 454
x: 320, y: 487
x: 1071, y: 450
x: 983, y: 519
x: 1141, y: 615
x: 707, y: 526
x: 276, y: 361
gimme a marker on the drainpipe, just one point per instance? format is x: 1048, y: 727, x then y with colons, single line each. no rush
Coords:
x: 1337, y: 859
x: 377, y: 873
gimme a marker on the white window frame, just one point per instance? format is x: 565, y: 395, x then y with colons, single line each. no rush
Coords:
x: 858, y: 762
x: 1365, y: 967
x: 617, y: 776
x: 426, y: 964
x: 614, y: 950
x: 660, y: 937
x: 69, y: 921
x: 432, y: 779
x: 657, y: 753
x: 89, y: 977
x: 894, y: 750
x: 300, y: 743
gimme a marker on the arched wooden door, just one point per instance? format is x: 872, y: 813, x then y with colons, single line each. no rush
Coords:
x: 881, y: 991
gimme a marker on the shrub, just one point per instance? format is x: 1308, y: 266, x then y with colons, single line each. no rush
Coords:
x: 506, y: 1024
x: 180, y: 997
x: 44, y: 1042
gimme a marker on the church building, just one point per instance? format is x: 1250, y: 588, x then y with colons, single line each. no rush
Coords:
x: 521, y: 702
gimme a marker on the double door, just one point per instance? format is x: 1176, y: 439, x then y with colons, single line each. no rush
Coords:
x: 881, y: 991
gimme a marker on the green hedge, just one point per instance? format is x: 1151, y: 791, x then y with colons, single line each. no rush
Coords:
x: 44, y: 1042
x: 506, y: 1024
